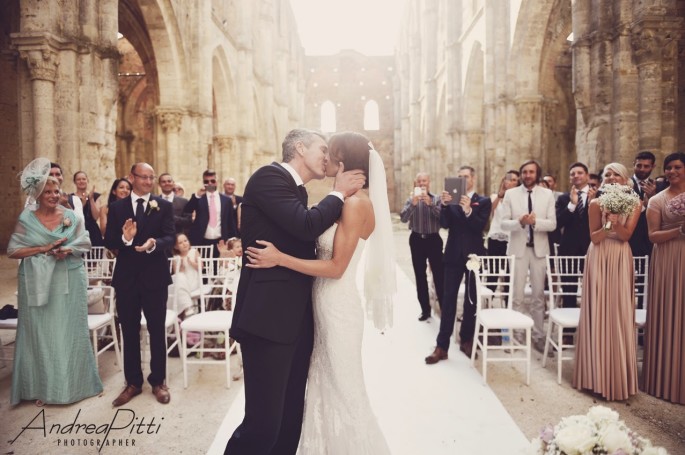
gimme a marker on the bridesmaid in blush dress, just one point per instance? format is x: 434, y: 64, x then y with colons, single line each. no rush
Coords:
x: 606, y: 360
x: 664, y: 365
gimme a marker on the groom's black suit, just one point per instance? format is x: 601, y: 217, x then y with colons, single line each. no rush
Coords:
x: 273, y: 313
x: 141, y: 282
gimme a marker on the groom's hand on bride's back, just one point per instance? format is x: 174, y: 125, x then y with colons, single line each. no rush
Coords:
x: 348, y: 182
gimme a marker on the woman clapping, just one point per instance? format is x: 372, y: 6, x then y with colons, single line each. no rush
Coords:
x: 53, y: 360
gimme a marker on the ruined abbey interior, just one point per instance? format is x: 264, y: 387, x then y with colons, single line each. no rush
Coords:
x: 97, y: 85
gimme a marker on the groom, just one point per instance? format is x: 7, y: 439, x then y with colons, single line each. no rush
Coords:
x: 273, y: 313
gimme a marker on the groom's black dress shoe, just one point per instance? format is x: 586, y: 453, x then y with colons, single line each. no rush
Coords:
x: 424, y: 317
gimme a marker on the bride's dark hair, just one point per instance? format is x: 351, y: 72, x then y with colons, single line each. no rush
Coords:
x: 353, y: 150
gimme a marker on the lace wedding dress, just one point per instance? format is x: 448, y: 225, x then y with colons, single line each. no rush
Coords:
x: 338, y: 418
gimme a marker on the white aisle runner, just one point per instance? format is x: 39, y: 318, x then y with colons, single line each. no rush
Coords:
x: 422, y: 409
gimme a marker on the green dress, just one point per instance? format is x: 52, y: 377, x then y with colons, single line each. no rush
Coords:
x: 53, y: 360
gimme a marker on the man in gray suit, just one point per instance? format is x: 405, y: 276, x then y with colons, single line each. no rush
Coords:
x: 182, y: 220
x: 530, y: 216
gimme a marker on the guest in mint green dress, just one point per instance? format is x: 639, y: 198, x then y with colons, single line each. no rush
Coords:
x: 53, y: 361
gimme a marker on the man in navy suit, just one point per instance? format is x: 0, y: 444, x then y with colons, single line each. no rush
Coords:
x: 140, y: 228
x: 236, y: 200
x: 573, y: 221
x: 645, y: 187
x: 466, y: 222
x: 182, y: 220
x: 214, y: 218
x: 273, y: 318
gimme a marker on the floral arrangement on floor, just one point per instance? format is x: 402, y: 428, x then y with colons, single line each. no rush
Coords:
x: 677, y: 205
x: 617, y: 199
x: 600, y: 431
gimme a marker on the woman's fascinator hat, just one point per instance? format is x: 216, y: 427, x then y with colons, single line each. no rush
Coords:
x: 33, y: 178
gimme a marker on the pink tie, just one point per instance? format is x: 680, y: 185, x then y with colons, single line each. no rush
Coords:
x: 212, y: 211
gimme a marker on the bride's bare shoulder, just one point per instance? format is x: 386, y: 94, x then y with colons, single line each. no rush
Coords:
x: 358, y: 202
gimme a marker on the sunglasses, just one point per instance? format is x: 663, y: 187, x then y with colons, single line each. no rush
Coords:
x: 209, y: 181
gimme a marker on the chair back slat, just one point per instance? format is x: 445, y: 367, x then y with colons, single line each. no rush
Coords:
x: 497, y: 275
x: 564, y: 277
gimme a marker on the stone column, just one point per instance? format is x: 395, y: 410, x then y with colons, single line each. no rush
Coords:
x: 170, y: 120
x: 223, y: 145
x: 42, y: 61
x: 648, y: 42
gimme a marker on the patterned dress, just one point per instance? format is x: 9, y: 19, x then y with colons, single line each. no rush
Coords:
x: 664, y: 364
x: 53, y: 360
x: 338, y: 418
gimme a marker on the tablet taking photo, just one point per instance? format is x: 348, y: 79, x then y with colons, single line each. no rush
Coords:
x: 456, y: 187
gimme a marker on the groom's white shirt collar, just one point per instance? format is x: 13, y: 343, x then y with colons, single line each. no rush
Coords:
x: 293, y: 172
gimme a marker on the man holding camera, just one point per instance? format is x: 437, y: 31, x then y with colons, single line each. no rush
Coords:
x: 422, y: 212
x: 214, y: 218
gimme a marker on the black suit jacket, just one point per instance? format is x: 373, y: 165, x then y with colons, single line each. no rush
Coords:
x: 272, y: 303
x: 182, y: 220
x: 201, y: 208
x: 465, y: 233
x: 639, y: 241
x: 150, y: 270
x: 574, y: 228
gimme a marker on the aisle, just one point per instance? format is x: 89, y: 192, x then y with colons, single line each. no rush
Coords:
x: 437, y: 409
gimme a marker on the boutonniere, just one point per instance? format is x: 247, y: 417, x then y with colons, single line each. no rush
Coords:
x: 475, y: 204
x: 66, y: 223
x: 152, y: 205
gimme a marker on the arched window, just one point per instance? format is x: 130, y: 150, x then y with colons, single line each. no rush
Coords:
x: 328, y: 117
x: 371, y: 116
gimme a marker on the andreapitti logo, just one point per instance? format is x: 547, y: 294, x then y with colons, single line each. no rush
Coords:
x: 120, y: 431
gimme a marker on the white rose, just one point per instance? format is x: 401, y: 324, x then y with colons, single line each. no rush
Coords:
x: 613, y: 438
x: 473, y: 263
x: 576, y: 439
x: 602, y: 414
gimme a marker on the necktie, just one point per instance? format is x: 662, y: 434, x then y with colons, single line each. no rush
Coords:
x: 212, y: 211
x: 531, y: 240
x: 580, y: 208
x: 303, y: 194
x: 140, y: 209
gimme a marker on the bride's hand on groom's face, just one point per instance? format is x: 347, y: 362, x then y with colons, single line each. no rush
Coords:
x: 348, y: 182
x: 263, y: 258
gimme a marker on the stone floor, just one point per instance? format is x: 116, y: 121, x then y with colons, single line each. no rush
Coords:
x: 424, y: 417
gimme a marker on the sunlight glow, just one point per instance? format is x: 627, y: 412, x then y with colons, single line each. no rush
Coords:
x: 326, y: 27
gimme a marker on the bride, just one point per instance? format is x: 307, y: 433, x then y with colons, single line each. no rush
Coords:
x: 338, y: 418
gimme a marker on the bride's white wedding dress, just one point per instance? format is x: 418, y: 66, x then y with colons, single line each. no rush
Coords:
x: 338, y: 418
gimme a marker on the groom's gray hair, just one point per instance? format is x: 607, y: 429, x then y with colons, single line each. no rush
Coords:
x: 298, y: 135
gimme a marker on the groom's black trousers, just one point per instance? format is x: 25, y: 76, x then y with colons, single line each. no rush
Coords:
x: 275, y: 381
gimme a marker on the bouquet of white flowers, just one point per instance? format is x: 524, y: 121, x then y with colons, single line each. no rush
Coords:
x: 617, y: 199
x: 598, y: 432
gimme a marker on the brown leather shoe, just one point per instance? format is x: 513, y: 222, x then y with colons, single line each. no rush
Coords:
x: 466, y: 347
x: 437, y: 355
x: 127, y: 395
x: 161, y: 392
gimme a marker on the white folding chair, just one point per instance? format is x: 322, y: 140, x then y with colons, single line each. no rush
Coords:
x: 211, y: 324
x: 100, y: 273
x: 500, y: 320
x: 204, y: 250
x: 562, y: 271
x: 98, y: 322
x: 6, y: 353
x: 497, y: 278
x: 641, y: 264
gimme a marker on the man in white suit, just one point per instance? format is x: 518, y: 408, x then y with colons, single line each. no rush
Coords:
x: 529, y: 215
